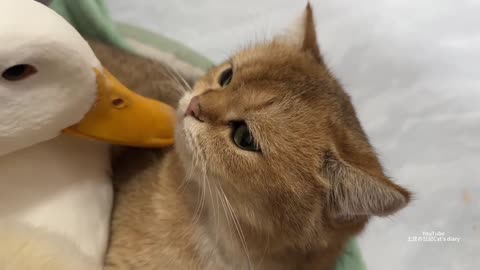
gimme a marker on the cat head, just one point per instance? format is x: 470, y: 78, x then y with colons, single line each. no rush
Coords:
x: 274, y: 130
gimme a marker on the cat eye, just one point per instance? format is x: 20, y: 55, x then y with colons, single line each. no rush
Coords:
x: 226, y: 77
x: 243, y: 138
x: 18, y: 72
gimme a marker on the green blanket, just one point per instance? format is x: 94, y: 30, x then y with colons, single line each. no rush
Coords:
x: 91, y: 18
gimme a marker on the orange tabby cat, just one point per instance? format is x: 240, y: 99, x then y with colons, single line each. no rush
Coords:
x: 271, y: 170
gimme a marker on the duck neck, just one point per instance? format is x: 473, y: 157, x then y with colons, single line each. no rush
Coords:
x: 62, y: 185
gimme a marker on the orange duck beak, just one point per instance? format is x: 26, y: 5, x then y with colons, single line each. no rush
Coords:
x: 120, y: 116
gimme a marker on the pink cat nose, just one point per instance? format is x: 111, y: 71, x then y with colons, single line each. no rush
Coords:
x: 193, y: 108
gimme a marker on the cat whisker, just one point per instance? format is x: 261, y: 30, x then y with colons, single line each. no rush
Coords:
x: 179, y: 92
x: 180, y: 89
x: 173, y: 75
x: 185, y: 83
x: 183, y: 86
x: 198, y: 160
x: 239, y: 230
x: 210, y: 193
x: 188, y: 176
x: 214, y: 206
x: 265, y: 250
x: 198, y: 212
x: 200, y: 157
x: 217, y: 210
x: 193, y: 163
x: 222, y: 200
x: 227, y: 217
x: 186, y: 180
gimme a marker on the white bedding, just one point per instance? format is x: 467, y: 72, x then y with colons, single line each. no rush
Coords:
x: 412, y: 67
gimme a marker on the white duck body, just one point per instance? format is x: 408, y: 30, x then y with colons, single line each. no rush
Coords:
x: 51, y: 83
x: 47, y: 179
x: 27, y: 248
x: 62, y: 185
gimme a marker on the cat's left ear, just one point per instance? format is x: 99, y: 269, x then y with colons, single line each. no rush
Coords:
x: 302, y: 34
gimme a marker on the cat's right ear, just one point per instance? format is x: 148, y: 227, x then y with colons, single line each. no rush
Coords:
x: 356, y: 194
x: 302, y: 35
x: 358, y: 187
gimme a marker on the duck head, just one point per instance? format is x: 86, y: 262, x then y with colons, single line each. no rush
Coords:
x: 52, y: 83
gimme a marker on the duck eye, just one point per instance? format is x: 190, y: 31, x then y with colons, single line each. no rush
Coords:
x: 243, y: 138
x: 18, y: 72
x: 226, y: 77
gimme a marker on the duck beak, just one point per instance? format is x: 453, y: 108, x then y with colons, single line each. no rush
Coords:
x: 120, y: 116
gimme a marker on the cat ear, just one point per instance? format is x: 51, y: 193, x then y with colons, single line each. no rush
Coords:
x: 356, y: 194
x: 302, y: 34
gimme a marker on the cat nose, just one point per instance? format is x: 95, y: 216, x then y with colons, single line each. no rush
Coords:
x: 193, y: 108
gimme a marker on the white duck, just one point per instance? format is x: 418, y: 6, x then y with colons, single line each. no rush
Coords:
x: 51, y: 83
